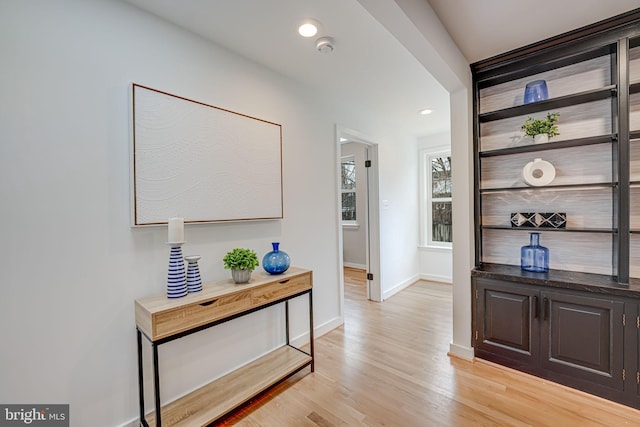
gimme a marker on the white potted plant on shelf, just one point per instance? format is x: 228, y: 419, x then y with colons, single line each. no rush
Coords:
x: 241, y: 262
x: 541, y: 129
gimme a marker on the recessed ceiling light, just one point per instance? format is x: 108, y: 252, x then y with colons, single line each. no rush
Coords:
x: 425, y: 111
x: 308, y: 28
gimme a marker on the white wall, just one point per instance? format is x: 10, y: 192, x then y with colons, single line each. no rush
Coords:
x: 71, y: 264
x: 436, y: 263
x: 398, y: 216
x: 354, y: 237
x: 416, y: 26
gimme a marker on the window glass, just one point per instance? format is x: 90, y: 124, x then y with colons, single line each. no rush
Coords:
x: 348, y: 166
x: 440, y: 177
x: 436, y: 222
x: 441, y: 230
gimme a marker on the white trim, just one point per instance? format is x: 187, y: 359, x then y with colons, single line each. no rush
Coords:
x: 318, y: 331
x: 350, y: 225
x: 437, y: 278
x: 426, y: 154
x: 442, y: 249
x: 354, y: 265
x: 463, y: 352
x: 348, y: 158
x: 132, y: 423
x: 400, y: 286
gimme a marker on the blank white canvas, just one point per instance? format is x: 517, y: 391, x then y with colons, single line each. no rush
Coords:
x: 201, y: 162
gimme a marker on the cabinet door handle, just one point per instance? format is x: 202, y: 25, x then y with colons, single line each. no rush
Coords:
x: 546, y: 308
x: 204, y: 304
x: 536, y: 309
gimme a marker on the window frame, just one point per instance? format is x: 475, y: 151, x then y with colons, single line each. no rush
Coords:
x: 426, y: 218
x: 349, y: 223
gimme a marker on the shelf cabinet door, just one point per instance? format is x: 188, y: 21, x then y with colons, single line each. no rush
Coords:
x: 506, y: 321
x: 632, y: 351
x: 582, y: 337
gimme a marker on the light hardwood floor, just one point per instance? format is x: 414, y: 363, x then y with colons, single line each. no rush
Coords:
x: 388, y: 366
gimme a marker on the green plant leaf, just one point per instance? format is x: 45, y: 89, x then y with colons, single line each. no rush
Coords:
x: 533, y: 127
x: 240, y: 259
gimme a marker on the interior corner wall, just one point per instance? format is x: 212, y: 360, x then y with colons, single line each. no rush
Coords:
x: 72, y: 265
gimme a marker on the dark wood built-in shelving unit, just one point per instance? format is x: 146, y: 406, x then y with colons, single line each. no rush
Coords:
x: 530, y: 321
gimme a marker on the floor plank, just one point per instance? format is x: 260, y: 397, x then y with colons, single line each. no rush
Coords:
x: 388, y: 366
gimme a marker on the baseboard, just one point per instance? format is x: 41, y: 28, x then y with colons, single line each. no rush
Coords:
x: 460, y: 351
x: 318, y: 331
x: 400, y: 286
x: 437, y: 278
x: 354, y: 265
x: 133, y: 423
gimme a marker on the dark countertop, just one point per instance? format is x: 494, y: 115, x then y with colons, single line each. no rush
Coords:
x: 589, y: 282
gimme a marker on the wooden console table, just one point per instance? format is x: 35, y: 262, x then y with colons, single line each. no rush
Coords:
x: 161, y: 320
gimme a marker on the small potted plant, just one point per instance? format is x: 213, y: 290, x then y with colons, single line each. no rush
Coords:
x: 541, y: 129
x: 241, y: 262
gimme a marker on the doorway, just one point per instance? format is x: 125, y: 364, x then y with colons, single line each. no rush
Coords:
x: 358, y: 212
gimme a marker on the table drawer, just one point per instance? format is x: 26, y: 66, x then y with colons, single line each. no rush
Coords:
x: 280, y: 289
x: 190, y: 316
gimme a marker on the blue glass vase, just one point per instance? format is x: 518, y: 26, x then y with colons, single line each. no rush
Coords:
x: 276, y: 261
x: 534, y: 257
x: 535, y: 91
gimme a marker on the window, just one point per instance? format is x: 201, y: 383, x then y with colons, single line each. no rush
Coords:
x: 348, y: 186
x: 438, y: 225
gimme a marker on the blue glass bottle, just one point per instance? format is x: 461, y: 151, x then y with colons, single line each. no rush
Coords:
x: 535, y: 91
x: 276, y: 261
x: 534, y: 257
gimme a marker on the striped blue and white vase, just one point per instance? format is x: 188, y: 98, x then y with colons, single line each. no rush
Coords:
x: 176, y: 277
x: 194, y: 282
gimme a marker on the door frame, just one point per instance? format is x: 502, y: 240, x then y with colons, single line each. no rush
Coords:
x: 372, y: 217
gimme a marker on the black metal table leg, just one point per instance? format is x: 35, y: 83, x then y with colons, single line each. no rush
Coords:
x: 313, y: 358
x: 286, y: 319
x: 156, y: 381
x: 143, y: 422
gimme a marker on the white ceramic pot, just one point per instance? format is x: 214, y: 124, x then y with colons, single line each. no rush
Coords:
x: 541, y: 138
x: 241, y: 276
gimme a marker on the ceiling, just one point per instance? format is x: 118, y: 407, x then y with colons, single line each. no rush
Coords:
x: 484, y: 28
x: 370, y: 71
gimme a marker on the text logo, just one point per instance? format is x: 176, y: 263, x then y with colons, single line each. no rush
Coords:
x: 34, y: 415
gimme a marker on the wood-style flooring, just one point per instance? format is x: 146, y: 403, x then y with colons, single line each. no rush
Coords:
x: 388, y: 366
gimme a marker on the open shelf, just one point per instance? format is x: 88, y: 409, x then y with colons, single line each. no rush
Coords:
x: 494, y: 74
x: 579, y: 142
x: 544, y: 229
x: 559, y: 102
x: 219, y: 397
x: 550, y: 187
